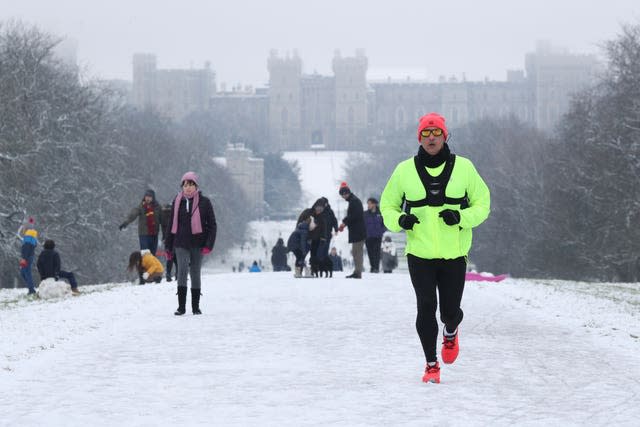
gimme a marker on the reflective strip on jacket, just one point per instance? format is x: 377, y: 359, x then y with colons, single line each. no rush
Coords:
x: 432, y: 238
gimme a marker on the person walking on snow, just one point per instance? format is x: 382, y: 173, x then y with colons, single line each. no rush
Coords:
x: 375, y: 229
x: 27, y: 253
x: 148, y: 215
x: 192, y: 234
x: 49, y: 266
x: 444, y: 198
x: 357, y: 234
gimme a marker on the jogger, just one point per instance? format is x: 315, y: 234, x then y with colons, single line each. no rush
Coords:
x: 437, y: 198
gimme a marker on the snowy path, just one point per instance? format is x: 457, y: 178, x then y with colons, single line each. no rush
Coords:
x: 272, y: 350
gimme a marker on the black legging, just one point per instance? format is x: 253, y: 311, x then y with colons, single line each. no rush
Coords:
x: 448, y: 276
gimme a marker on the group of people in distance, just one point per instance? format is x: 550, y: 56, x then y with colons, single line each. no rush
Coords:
x: 316, y: 226
x: 48, y: 264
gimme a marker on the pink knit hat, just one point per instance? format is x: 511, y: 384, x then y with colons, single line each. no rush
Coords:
x: 190, y: 176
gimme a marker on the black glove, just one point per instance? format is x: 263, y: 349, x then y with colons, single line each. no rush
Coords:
x: 122, y: 226
x: 408, y: 221
x: 450, y: 216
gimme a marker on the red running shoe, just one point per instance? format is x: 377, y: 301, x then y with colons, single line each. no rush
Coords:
x: 450, y: 348
x: 432, y: 374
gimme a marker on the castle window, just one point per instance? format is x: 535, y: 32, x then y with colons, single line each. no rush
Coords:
x: 351, y: 115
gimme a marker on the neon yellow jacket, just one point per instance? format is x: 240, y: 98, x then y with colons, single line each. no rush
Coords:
x: 432, y: 238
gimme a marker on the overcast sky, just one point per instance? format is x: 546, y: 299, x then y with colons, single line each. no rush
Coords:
x: 427, y: 38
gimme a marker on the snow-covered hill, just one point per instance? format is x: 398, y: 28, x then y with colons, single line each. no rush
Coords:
x: 273, y: 350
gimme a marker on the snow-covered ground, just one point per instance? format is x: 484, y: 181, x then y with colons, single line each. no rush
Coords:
x: 273, y: 350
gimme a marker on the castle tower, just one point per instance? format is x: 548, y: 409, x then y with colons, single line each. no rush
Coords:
x: 144, y: 80
x: 284, y: 101
x: 554, y: 76
x: 351, y: 99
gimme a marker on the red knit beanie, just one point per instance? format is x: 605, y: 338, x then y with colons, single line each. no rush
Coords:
x: 344, y: 188
x: 432, y: 120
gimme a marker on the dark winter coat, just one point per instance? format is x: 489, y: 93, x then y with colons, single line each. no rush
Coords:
x: 298, y: 240
x: 320, y: 230
x: 373, y: 223
x: 49, y: 264
x: 140, y: 212
x: 355, y: 220
x: 330, y: 221
x: 279, y: 256
x: 337, y: 262
x: 184, y: 238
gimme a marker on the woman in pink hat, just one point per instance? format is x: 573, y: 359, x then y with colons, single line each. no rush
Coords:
x: 192, y: 234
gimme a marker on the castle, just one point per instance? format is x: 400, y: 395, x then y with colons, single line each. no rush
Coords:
x: 346, y: 111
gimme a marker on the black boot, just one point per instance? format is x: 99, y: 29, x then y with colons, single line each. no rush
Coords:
x: 182, y: 300
x: 195, y: 301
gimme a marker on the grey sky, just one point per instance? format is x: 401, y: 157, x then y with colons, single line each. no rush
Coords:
x: 478, y: 37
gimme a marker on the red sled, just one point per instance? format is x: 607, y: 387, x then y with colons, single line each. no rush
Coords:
x: 477, y: 277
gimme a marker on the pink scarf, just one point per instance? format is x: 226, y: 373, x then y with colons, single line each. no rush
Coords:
x: 196, y: 225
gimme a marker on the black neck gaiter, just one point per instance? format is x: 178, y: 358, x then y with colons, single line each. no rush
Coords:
x: 434, y: 161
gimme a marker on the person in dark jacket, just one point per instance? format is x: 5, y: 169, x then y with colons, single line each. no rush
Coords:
x: 279, y: 256
x: 335, y: 259
x: 192, y: 234
x: 27, y: 253
x: 375, y: 229
x: 148, y: 215
x: 318, y: 237
x: 330, y: 221
x: 298, y: 242
x: 357, y: 234
x: 49, y: 266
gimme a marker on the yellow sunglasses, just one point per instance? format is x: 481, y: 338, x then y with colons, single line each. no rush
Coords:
x: 426, y: 133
